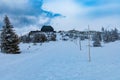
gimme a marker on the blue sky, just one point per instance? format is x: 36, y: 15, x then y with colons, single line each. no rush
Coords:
x: 62, y: 14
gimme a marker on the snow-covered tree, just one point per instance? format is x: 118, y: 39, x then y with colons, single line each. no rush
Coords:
x: 97, y: 35
x: 114, y: 34
x: 38, y: 38
x: 97, y: 40
x: 110, y: 35
x: 9, y: 39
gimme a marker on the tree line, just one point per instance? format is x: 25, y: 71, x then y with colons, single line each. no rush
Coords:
x: 9, y: 39
x: 105, y: 36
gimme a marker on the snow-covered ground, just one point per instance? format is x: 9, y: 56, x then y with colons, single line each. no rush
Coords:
x: 62, y: 60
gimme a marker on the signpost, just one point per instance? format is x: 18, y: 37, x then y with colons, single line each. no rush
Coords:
x: 89, y: 54
x: 80, y: 42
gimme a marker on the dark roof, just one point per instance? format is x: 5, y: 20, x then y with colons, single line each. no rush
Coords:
x: 47, y: 29
x: 33, y: 32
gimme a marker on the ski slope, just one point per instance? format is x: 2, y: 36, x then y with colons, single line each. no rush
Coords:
x: 62, y: 60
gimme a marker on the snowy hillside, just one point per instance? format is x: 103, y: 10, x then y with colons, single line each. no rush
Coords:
x: 62, y: 60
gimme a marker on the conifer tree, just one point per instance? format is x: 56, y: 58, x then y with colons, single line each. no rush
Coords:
x: 97, y: 40
x: 115, y: 34
x: 9, y: 39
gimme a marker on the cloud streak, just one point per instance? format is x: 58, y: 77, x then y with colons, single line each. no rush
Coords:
x: 26, y: 12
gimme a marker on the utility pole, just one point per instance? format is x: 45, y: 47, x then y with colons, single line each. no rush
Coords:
x: 89, y: 54
x: 80, y: 42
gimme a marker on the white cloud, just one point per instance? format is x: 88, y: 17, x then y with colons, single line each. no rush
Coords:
x: 65, y: 7
x: 79, y: 16
x: 25, y: 12
x: 25, y: 30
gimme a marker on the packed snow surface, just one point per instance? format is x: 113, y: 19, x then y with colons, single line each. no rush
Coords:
x: 62, y: 60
